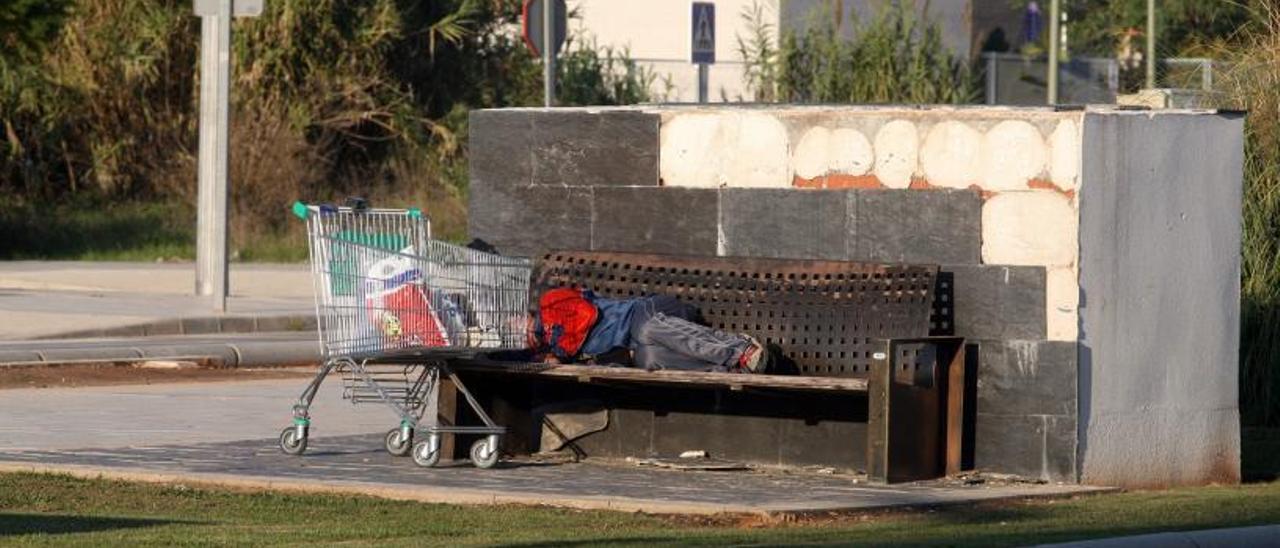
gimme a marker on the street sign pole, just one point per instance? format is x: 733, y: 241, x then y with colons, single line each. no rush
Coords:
x: 548, y: 56
x: 1151, y: 44
x: 702, y: 43
x: 702, y: 82
x: 211, y: 215
x: 1055, y: 15
x: 545, y: 28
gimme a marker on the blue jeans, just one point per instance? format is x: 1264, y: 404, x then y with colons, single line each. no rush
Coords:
x: 663, y: 337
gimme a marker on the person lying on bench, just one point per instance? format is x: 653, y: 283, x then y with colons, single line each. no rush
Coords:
x: 574, y: 325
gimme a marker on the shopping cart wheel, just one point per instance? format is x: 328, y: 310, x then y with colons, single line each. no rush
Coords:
x: 424, y: 456
x: 291, y: 443
x: 397, y: 444
x: 482, y: 455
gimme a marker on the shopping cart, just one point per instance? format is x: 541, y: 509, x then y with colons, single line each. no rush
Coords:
x: 393, y: 306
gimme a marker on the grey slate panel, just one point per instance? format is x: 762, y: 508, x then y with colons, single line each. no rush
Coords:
x: 500, y: 147
x: 655, y: 220
x: 735, y: 437
x: 785, y: 223
x: 824, y: 443
x: 629, y: 433
x: 1027, y: 377
x: 586, y: 149
x: 528, y: 221
x: 999, y: 302
x: 915, y: 226
x: 1031, y: 446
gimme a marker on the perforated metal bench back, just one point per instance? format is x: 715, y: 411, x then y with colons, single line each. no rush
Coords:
x: 824, y: 315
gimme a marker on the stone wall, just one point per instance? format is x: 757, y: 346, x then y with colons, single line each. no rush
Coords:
x: 1025, y: 165
x: 992, y: 194
x: 1160, y: 290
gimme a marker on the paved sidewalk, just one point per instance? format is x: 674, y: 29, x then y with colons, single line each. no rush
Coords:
x: 59, y: 419
x: 225, y: 433
x: 40, y: 299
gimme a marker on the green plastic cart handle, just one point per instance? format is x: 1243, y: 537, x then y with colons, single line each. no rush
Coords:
x: 302, y: 211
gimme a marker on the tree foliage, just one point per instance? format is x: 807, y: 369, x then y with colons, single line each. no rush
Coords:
x: 27, y: 26
x: 1096, y: 27
x: 329, y: 96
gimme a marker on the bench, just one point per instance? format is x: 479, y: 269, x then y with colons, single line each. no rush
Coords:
x: 852, y: 341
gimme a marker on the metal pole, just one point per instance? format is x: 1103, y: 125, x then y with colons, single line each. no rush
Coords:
x: 1055, y: 19
x: 211, y: 215
x: 702, y: 82
x: 991, y: 77
x: 1151, y: 44
x: 548, y: 53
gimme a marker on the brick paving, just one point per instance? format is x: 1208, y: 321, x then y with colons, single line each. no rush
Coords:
x: 223, y: 433
x: 360, y: 463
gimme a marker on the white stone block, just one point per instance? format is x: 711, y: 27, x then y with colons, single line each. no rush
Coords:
x: 811, y: 156
x: 897, y: 153
x: 1064, y: 155
x: 689, y: 153
x: 951, y: 155
x: 760, y: 155
x: 851, y: 152
x: 724, y: 149
x: 822, y: 151
x: 1029, y: 228
x: 1013, y: 152
x: 1062, y: 302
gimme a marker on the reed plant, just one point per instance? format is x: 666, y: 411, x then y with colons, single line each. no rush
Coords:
x: 1249, y: 82
x: 895, y: 56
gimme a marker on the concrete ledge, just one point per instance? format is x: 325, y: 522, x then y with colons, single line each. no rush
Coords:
x: 203, y: 325
x: 428, y: 494
x: 919, y: 496
x: 220, y: 353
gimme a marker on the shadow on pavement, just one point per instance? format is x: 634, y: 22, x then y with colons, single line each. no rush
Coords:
x: 12, y: 524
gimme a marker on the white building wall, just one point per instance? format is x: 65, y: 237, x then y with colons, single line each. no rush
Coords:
x: 657, y: 34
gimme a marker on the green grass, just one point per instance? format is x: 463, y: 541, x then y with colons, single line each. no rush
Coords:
x: 127, y: 231
x: 38, y: 508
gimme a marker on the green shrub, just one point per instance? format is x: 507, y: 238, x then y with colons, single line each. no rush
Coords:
x: 330, y: 98
x: 897, y: 57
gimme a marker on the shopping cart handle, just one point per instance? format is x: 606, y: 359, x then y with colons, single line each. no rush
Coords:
x: 357, y: 205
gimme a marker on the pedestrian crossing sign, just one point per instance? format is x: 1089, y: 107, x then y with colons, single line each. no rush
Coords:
x: 703, y: 33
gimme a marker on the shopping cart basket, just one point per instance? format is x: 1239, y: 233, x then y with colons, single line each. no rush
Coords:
x: 392, y: 307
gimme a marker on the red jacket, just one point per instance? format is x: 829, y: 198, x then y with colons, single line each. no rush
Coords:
x: 567, y: 316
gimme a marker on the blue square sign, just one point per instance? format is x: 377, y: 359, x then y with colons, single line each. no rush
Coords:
x: 703, y: 33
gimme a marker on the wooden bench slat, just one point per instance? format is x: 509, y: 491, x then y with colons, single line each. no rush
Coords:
x: 733, y: 381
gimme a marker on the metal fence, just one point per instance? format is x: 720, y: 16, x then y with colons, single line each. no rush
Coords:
x: 1013, y: 79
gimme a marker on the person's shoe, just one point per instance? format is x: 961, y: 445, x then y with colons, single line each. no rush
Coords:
x: 755, y: 358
